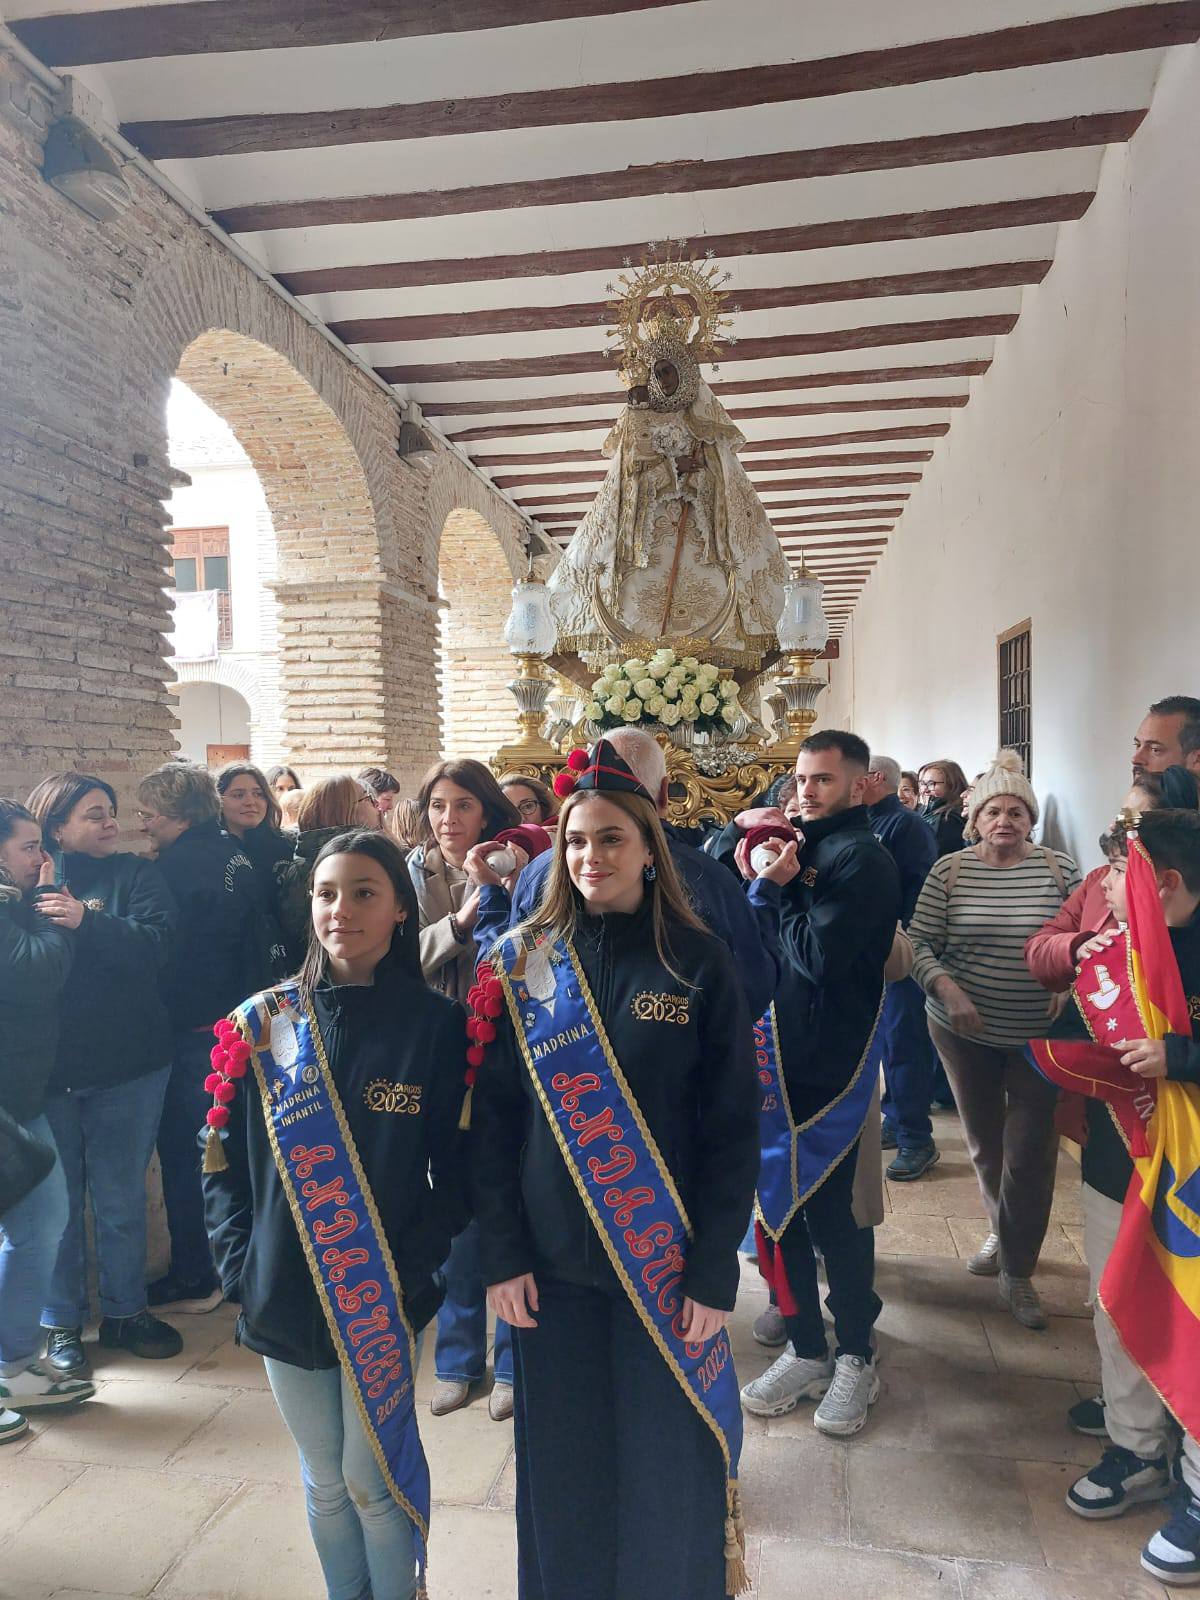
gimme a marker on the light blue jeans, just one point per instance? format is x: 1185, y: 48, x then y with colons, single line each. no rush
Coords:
x: 105, y: 1138
x: 364, y: 1541
x: 29, y: 1238
x: 461, y: 1354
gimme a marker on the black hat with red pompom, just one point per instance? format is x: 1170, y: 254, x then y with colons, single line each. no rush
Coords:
x: 598, y: 768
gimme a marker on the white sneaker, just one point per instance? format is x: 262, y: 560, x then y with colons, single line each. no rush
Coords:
x: 36, y: 1387
x: 788, y: 1380
x: 12, y: 1425
x: 985, y: 1263
x: 854, y: 1389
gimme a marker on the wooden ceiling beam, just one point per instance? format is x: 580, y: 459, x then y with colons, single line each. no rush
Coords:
x: 536, y: 319
x: 1136, y: 27
x: 836, y: 482
x: 791, y: 465
x: 774, y: 347
x: 521, y: 430
x: 1032, y: 211
x: 686, y: 177
x: 202, y: 27
x: 833, y: 516
x: 537, y: 458
x: 807, y: 544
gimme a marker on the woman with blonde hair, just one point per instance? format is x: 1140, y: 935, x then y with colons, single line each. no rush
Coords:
x: 615, y: 1151
x: 327, y: 808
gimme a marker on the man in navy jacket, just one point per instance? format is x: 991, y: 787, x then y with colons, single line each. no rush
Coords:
x: 716, y: 895
x: 909, y: 1061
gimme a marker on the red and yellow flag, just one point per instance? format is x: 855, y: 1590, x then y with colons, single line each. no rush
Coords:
x: 1151, y: 1285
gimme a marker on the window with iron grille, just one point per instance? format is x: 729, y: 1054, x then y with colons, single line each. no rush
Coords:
x: 201, y: 559
x: 1015, y: 697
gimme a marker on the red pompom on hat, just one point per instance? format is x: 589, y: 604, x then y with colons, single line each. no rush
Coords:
x: 564, y: 784
x: 577, y: 761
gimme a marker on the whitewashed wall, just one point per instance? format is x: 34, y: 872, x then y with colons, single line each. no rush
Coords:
x: 1068, y: 491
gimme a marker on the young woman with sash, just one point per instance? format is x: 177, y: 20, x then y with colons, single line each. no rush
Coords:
x: 614, y: 1157
x: 332, y: 1188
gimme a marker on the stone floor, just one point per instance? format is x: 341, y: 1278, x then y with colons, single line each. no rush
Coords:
x: 179, y: 1482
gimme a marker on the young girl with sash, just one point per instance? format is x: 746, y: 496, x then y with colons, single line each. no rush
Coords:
x: 332, y: 1189
x: 614, y: 1156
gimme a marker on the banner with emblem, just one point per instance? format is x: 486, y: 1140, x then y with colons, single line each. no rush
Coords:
x: 797, y: 1159
x: 623, y: 1182
x: 344, y: 1242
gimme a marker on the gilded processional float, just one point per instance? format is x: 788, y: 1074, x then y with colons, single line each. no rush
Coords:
x: 673, y: 604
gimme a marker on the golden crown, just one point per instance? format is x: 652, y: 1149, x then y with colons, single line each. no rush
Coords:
x: 669, y: 299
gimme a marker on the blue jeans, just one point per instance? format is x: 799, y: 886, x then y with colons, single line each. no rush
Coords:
x: 181, y: 1154
x: 105, y: 1139
x: 29, y: 1237
x: 461, y: 1354
x: 364, y: 1541
x: 909, y: 1063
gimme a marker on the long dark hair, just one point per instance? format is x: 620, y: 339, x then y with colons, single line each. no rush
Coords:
x: 54, y: 799
x: 405, y: 950
x: 498, y: 811
x: 238, y: 769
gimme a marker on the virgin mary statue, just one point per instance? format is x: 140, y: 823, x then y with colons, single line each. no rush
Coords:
x: 676, y: 547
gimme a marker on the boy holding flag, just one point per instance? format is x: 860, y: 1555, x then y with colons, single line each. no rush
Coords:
x: 1127, y: 1041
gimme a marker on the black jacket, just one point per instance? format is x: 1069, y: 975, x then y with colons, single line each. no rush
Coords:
x: 837, y: 920
x: 291, y: 875
x: 948, y: 824
x: 114, y: 1025
x: 1106, y: 1165
x: 910, y: 843
x: 35, y: 958
x: 691, y: 1071
x: 395, y: 1035
x: 213, y: 964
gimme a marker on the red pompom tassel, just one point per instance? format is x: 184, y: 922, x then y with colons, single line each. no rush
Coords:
x: 564, y: 784
x: 213, y: 1082
x: 218, y: 1056
x: 224, y: 1093
x: 577, y: 761
x: 493, y: 1006
x: 225, y: 1030
x: 239, y: 1051
x: 236, y: 1069
x: 217, y: 1116
x: 475, y: 1055
x: 469, y: 1076
x: 485, y: 1032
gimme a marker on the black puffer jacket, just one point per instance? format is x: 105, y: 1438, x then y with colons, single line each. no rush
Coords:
x: 690, y: 1067
x: 214, y: 963
x: 396, y: 1034
x: 837, y: 920
x: 291, y: 877
x: 114, y: 1024
x: 35, y: 958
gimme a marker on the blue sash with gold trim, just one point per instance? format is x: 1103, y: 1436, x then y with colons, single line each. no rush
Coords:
x: 796, y: 1160
x: 623, y: 1182
x: 343, y: 1239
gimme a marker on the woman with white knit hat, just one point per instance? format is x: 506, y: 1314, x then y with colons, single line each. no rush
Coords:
x: 975, y: 911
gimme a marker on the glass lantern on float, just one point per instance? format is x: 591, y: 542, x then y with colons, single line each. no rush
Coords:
x: 803, y: 632
x: 531, y: 634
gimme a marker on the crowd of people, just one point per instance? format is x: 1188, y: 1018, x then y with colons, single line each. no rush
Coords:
x: 408, y: 1059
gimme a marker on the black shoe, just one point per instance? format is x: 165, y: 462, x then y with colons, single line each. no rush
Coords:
x: 1087, y: 1416
x: 142, y: 1335
x: 173, y: 1293
x: 65, y: 1355
x: 887, y: 1135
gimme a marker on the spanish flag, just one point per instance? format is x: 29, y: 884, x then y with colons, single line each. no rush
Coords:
x: 1151, y: 1285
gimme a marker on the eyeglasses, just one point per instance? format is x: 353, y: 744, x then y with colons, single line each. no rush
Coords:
x: 147, y: 816
x: 529, y: 808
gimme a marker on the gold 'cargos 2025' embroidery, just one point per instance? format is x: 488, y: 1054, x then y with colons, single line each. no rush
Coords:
x: 403, y: 1099
x: 648, y: 1007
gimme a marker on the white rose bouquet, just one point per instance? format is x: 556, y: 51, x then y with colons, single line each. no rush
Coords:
x: 664, y: 690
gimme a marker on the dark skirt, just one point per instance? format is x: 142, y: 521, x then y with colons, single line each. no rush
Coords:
x: 620, y: 1482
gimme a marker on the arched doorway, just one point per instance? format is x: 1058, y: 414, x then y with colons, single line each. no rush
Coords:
x: 335, y: 631
x: 215, y: 724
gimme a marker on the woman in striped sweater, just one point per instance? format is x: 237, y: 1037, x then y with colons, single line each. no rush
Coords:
x: 974, y: 914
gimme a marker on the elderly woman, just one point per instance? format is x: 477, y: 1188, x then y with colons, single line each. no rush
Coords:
x: 973, y: 916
